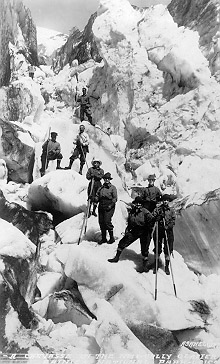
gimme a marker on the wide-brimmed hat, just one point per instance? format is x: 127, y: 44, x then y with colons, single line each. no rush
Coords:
x: 107, y: 176
x: 96, y: 160
x: 138, y: 200
x: 53, y: 133
x: 168, y: 197
x: 151, y: 176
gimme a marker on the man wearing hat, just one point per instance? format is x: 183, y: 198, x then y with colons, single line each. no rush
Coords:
x: 107, y: 197
x: 150, y: 194
x: 50, y: 151
x: 140, y: 225
x: 81, y: 148
x: 94, y: 173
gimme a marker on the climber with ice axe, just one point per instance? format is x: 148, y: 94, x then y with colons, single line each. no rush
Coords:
x: 94, y: 175
x: 86, y: 215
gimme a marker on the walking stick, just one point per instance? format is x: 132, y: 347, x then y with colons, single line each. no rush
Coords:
x: 155, y: 296
x: 46, y: 165
x: 85, y: 219
x: 44, y: 161
x: 168, y: 249
x: 89, y: 204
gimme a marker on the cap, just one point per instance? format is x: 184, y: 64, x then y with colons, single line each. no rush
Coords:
x: 107, y: 176
x: 53, y: 133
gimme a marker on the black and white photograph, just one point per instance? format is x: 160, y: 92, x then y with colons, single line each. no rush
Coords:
x: 109, y: 182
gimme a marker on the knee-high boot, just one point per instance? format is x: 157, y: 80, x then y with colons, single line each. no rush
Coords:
x: 81, y: 168
x: 146, y: 264
x: 112, y: 239
x: 70, y: 164
x: 104, y: 240
x: 58, y: 163
x: 94, y: 208
x: 167, y: 262
x: 116, y: 257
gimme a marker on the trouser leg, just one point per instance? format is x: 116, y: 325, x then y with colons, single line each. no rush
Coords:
x: 170, y: 236
x: 145, y: 240
x: 81, y: 116
x: 43, y: 164
x: 94, y: 209
x: 127, y: 240
x: 104, y: 239
x: 83, y: 153
x: 58, y: 163
x: 111, y: 236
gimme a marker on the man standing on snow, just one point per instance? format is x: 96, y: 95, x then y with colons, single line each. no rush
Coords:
x: 94, y: 175
x: 51, y: 151
x: 31, y: 70
x: 150, y: 194
x: 140, y: 226
x: 107, y: 197
x: 165, y: 233
x: 81, y: 148
x: 85, y: 106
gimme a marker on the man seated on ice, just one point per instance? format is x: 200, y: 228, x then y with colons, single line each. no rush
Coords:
x: 51, y: 151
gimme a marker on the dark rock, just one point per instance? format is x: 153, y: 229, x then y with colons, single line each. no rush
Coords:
x: 80, y: 46
x: 32, y: 224
x: 156, y: 339
x: 16, y: 277
x: 14, y: 13
x: 17, y: 155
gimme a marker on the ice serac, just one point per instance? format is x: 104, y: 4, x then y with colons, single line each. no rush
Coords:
x: 202, y: 16
x: 197, y: 232
x: 152, y: 65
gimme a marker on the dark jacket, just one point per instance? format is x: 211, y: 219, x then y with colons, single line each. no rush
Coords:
x: 96, y: 173
x: 140, y: 218
x: 107, y: 197
x: 169, y: 217
x: 150, y: 196
x: 84, y: 101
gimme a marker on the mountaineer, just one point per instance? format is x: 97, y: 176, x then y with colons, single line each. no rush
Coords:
x: 81, y: 148
x: 139, y: 226
x: 150, y: 194
x: 31, y: 70
x: 94, y: 175
x: 165, y: 232
x: 51, y: 151
x: 106, y: 197
x: 85, y: 106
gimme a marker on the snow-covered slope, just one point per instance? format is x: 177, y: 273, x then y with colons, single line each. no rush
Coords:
x: 49, y: 41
